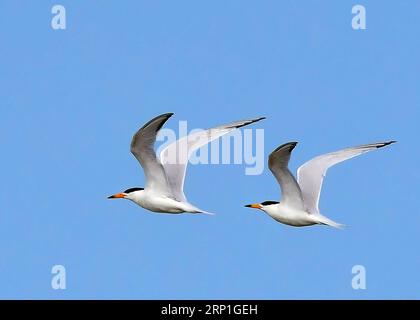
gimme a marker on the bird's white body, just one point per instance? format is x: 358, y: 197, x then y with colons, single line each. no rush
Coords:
x: 290, y: 215
x: 160, y: 203
x: 297, y: 217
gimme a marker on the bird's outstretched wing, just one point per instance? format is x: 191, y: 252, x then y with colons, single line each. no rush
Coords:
x: 278, y: 162
x: 142, y: 148
x: 311, y: 174
x: 174, y: 157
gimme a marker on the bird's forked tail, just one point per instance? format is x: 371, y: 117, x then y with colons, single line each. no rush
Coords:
x: 324, y: 220
x: 202, y: 211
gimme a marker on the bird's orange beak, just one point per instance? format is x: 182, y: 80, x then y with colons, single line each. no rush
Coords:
x: 254, y: 206
x: 116, y: 196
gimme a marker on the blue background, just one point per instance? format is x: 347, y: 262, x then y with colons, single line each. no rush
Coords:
x: 71, y: 100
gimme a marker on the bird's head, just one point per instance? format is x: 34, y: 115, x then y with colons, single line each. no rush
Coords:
x: 127, y: 194
x: 263, y: 205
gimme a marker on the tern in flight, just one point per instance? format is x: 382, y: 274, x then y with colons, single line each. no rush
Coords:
x: 165, y: 174
x: 299, y: 205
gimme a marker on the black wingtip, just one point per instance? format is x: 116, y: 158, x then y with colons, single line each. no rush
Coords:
x: 167, y: 116
x: 163, y: 115
x: 386, y: 143
x: 290, y: 145
x: 250, y: 122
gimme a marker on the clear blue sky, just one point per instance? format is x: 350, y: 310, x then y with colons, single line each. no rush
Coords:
x: 71, y: 100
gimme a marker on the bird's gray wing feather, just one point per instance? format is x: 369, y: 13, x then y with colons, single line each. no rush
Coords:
x: 278, y: 164
x: 311, y: 174
x: 142, y: 147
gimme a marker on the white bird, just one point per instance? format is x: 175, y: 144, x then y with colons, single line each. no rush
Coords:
x: 299, y: 205
x: 165, y: 174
